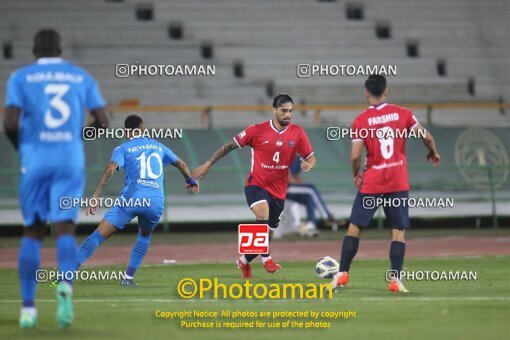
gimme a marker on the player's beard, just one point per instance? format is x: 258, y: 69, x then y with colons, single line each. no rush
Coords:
x: 284, y: 122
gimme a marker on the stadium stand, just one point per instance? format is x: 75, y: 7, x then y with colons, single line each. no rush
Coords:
x: 256, y: 46
x: 446, y: 51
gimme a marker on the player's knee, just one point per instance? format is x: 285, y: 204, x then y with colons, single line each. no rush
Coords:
x: 398, y: 235
x: 261, y: 215
x: 36, y: 231
x: 353, y: 230
x: 146, y: 233
x: 64, y: 228
x: 105, y: 228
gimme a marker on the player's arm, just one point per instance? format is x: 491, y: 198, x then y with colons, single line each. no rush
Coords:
x: 305, y: 149
x: 96, y: 104
x: 191, y: 183
x: 356, y: 154
x: 430, y: 144
x: 309, y: 163
x: 11, y: 121
x: 105, y: 178
x: 100, y: 118
x: 201, y: 171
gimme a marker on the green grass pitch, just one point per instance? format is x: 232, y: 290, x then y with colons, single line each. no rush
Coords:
x: 433, y: 310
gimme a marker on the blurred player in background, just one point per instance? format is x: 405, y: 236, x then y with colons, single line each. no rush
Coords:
x: 385, y: 176
x: 274, y: 145
x: 44, y: 116
x: 308, y: 195
x: 143, y: 160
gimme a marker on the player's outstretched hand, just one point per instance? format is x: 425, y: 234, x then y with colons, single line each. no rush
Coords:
x: 201, y: 171
x: 192, y: 185
x: 91, y: 210
x: 305, y: 166
x: 434, y: 158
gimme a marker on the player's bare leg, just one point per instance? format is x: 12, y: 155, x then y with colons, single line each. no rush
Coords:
x: 349, y: 249
x: 28, y: 263
x: 397, y: 253
x: 261, y: 210
x: 106, y: 229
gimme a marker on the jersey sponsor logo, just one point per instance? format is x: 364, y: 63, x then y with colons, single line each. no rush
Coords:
x: 148, y: 183
x: 265, y: 142
x: 387, y: 165
x: 253, y: 238
x: 274, y: 167
x: 242, y: 134
x: 55, y: 137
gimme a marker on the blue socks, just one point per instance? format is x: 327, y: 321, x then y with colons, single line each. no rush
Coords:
x: 397, y: 252
x: 67, y: 251
x: 29, y: 259
x: 88, y: 247
x: 137, y: 254
x: 349, y: 250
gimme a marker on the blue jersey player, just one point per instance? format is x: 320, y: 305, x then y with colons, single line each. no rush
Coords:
x: 44, y: 117
x: 143, y: 160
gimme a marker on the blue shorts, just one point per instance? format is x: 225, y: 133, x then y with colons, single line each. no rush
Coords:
x: 397, y: 214
x: 41, y: 190
x: 255, y: 195
x: 148, y: 217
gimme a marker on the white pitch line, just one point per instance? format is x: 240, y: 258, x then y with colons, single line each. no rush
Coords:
x: 389, y: 298
x: 118, y: 300
x: 438, y: 298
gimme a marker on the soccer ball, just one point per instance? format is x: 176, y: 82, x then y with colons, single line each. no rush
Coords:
x: 327, y: 267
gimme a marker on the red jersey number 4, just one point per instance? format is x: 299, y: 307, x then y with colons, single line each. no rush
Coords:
x: 253, y: 239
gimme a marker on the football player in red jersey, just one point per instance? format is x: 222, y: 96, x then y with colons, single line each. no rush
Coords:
x: 381, y: 130
x: 274, y: 145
